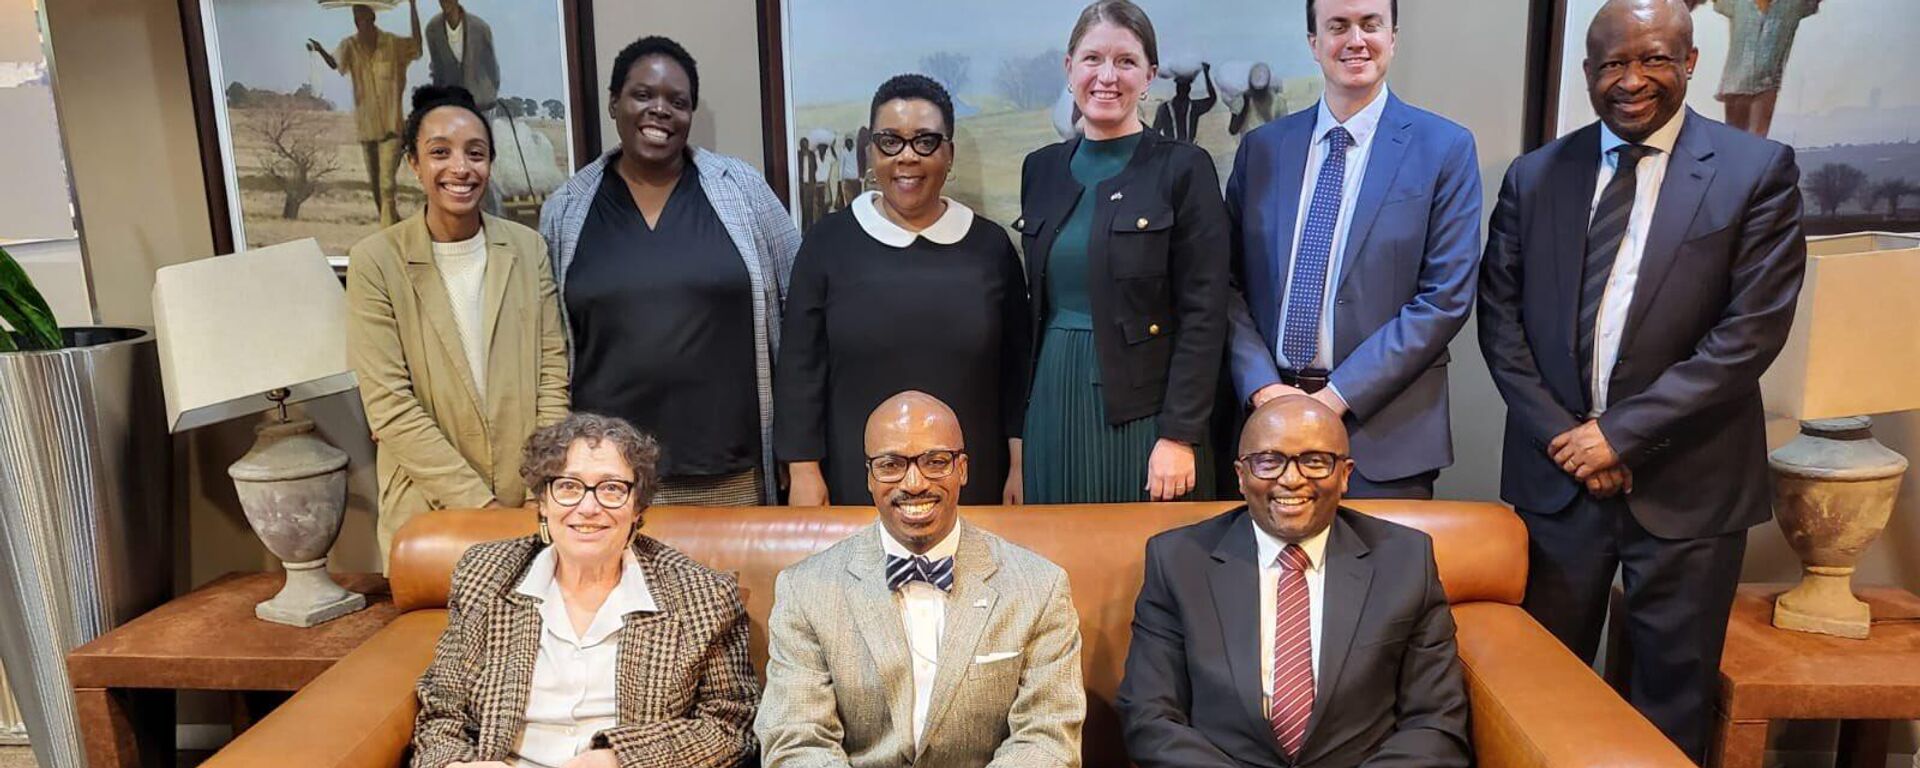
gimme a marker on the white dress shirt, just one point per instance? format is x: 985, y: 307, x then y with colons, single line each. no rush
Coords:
x: 1612, y: 318
x: 1267, y: 549
x: 1363, y: 125
x: 573, y: 695
x: 463, y: 269
x: 923, y: 611
x: 457, y: 40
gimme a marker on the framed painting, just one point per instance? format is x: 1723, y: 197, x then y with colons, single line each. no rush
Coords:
x: 1831, y: 78
x: 301, y: 103
x: 1226, y: 67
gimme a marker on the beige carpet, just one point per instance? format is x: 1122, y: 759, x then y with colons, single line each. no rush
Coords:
x: 16, y: 757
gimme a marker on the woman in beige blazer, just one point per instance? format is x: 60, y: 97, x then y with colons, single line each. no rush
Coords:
x: 454, y: 329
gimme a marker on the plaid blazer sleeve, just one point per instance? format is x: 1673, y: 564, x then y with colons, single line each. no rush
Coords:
x: 444, y: 731
x: 716, y: 733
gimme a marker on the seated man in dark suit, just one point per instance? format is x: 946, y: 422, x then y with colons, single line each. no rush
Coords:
x: 1292, y: 631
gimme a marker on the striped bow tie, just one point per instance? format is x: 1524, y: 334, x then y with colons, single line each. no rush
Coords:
x: 902, y: 571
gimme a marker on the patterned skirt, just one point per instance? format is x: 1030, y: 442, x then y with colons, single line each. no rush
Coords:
x: 1072, y: 455
x: 740, y: 489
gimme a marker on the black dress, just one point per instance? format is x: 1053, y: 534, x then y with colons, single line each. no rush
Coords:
x: 866, y: 320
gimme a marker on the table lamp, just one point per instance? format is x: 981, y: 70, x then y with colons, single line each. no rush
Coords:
x: 1854, y: 350
x: 252, y: 332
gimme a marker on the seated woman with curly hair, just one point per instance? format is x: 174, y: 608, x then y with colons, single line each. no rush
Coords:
x: 588, y: 645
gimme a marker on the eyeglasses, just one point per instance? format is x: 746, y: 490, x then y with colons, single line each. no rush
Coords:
x: 569, y: 492
x: 924, y: 144
x: 892, y: 468
x: 1313, y: 465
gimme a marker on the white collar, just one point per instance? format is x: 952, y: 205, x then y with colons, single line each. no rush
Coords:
x: 951, y: 228
x: 630, y: 595
x: 1361, y: 125
x: 1267, y: 547
x: 1663, y: 138
x: 946, y: 548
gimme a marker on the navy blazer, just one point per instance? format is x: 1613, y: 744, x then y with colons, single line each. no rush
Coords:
x: 1719, y: 278
x: 1389, y: 688
x: 1405, y: 285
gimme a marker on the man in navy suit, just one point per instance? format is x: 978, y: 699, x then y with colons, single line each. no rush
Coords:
x: 1640, y: 275
x: 1356, y: 233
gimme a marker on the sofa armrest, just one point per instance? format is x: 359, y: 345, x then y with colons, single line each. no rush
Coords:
x: 357, y: 714
x: 1535, y: 704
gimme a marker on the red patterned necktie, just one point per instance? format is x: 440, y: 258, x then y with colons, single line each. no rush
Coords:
x: 1292, y: 694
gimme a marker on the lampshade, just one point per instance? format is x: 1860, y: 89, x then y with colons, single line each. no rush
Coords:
x: 233, y: 328
x: 1855, y: 345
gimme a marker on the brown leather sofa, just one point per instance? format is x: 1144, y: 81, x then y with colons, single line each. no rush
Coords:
x: 1534, y: 703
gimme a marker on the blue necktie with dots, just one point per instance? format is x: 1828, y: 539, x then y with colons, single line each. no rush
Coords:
x: 1300, y: 340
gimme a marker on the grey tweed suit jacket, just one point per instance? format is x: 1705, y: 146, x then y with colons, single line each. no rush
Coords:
x: 840, y: 681
x: 685, y: 687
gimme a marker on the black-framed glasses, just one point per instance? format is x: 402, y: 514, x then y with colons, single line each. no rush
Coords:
x: 570, y: 491
x: 924, y: 144
x: 892, y: 468
x: 1313, y: 465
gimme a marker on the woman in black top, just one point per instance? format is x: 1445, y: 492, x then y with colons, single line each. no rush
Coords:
x: 672, y: 263
x: 904, y: 289
x: 1126, y: 239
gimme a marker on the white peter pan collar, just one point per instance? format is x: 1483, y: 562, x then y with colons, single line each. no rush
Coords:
x: 951, y: 228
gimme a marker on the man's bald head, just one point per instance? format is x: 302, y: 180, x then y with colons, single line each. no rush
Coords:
x: 1297, y: 415
x: 914, y: 412
x: 1669, y: 18
x: 1640, y: 55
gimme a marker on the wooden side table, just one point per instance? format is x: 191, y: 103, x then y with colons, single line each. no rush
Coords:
x: 206, y: 640
x: 1769, y: 674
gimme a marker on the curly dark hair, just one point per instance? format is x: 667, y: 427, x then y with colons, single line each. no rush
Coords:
x: 545, y: 456
x: 428, y: 98
x: 654, y: 45
x: 914, y: 88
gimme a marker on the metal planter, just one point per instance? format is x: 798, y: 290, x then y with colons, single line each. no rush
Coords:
x: 85, y: 520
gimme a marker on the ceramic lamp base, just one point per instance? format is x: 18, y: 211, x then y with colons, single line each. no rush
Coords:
x: 1823, y: 603
x: 310, y: 597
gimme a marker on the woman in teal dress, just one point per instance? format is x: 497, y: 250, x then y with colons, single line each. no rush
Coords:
x: 1126, y: 239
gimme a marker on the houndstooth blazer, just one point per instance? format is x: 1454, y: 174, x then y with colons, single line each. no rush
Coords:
x: 840, y: 680
x: 686, y: 688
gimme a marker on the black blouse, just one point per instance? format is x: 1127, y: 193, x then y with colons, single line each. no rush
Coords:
x: 663, y: 327
x: 866, y: 320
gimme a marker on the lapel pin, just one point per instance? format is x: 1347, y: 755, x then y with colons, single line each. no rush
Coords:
x: 1117, y: 196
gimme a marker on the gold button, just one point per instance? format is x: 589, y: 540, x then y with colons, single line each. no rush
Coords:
x: 1019, y: 223
x: 1153, y: 330
x: 1142, y: 223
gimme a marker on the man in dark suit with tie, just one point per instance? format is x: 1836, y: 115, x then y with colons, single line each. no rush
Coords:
x: 1356, y: 239
x: 1640, y: 275
x: 1292, y: 631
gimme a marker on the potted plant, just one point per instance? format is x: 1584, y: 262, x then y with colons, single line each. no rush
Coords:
x: 84, y: 508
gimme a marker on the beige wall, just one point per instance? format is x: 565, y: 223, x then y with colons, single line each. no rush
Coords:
x: 723, y: 38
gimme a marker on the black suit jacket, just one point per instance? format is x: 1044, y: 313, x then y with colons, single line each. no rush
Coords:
x: 1157, y: 275
x: 1389, y: 690
x: 1718, y: 281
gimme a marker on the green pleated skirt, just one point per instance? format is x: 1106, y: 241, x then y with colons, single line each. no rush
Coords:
x: 1071, y: 454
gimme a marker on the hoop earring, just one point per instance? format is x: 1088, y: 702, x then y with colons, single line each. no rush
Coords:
x: 546, y: 537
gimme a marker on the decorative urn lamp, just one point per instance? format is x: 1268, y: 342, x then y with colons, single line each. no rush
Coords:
x: 1854, y: 350
x: 253, y: 332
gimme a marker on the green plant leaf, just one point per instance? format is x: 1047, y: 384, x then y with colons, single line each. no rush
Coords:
x: 22, y: 307
x: 6, y: 341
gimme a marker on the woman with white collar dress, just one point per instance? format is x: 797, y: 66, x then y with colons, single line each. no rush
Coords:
x: 904, y: 289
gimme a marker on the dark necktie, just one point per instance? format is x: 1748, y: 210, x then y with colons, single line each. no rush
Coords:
x: 1307, y: 290
x: 1292, y: 695
x: 902, y: 571
x: 1604, y: 233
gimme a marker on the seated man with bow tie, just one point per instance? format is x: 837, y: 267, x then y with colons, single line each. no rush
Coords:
x: 1292, y: 631
x: 921, y: 640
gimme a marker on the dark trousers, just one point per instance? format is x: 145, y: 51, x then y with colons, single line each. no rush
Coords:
x: 1678, y: 595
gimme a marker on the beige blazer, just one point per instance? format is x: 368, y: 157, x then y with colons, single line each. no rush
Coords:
x: 440, y: 446
x: 684, y: 687
x: 840, y: 683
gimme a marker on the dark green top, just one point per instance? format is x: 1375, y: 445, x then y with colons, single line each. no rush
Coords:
x: 1093, y: 162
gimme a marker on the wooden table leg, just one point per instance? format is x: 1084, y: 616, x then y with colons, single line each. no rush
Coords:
x: 1863, y: 743
x: 125, y: 728
x: 1738, y: 744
